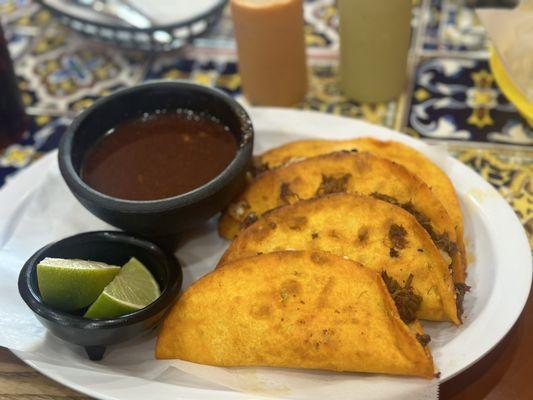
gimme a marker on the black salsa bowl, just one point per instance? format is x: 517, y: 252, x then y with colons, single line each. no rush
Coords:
x: 172, y: 215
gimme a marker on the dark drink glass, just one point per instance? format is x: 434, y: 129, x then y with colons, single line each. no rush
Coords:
x: 12, y: 116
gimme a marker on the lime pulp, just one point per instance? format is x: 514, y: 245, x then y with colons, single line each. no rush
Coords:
x: 131, y: 290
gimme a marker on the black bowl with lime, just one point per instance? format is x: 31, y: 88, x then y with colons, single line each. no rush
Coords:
x: 101, y: 288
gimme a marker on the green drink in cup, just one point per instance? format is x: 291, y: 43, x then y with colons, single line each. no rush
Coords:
x: 374, y: 41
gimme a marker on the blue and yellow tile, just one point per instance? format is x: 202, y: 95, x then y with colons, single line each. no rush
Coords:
x: 511, y: 173
x: 457, y: 98
x: 62, y: 70
x: 43, y: 135
x: 18, y: 43
x: 325, y: 95
x: 324, y: 92
x: 453, y: 26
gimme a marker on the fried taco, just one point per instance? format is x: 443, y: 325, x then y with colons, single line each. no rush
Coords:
x: 294, y: 309
x: 402, y: 154
x: 349, y: 172
x: 377, y: 234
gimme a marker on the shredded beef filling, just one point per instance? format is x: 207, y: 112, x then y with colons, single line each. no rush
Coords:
x: 249, y: 220
x: 442, y: 241
x: 420, y: 217
x: 287, y: 195
x: 423, y: 339
x: 460, y: 291
x: 407, y: 302
x: 332, y: 184
x: 384, y: 197
x: 397, y: 234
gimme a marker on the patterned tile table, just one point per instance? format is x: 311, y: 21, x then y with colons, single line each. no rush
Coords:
x: 452, y: 97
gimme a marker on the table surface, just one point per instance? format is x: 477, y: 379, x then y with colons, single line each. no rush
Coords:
x: 61, y: 73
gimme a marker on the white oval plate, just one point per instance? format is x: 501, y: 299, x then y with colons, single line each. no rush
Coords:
x: 499, y: 272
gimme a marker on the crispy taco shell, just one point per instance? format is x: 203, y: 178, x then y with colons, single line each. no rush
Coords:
x: 402, y: 154
x: 377, y: 234
x: 349, y: 172
x: 293, y: 309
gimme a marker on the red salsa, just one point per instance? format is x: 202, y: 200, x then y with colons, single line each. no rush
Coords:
x: 159, y: 156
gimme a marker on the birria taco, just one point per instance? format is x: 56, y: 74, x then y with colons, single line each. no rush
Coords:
x: 297, y: 309
x: 400, y: 153
x: 347, y: 172
x: 377, y: 234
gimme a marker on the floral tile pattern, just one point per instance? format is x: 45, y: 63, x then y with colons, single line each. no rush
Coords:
x: 457, y: 98
x: 321, y: 23
x: 42, y: 136
x: 453, y: 26
x: 511, y: 175
x: 19, y: 43
x: 60, y: 70
x: 325, y: 95
x: 11, y: 10
x: 324, y: 92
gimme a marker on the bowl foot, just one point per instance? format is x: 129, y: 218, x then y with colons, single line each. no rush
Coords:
x: 95, y: 353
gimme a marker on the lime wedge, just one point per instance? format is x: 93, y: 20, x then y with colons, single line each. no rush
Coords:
x: 132, y: 289
x: 72, y: 284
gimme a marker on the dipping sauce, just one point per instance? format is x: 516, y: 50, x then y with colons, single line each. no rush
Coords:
x: 159, y: 156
